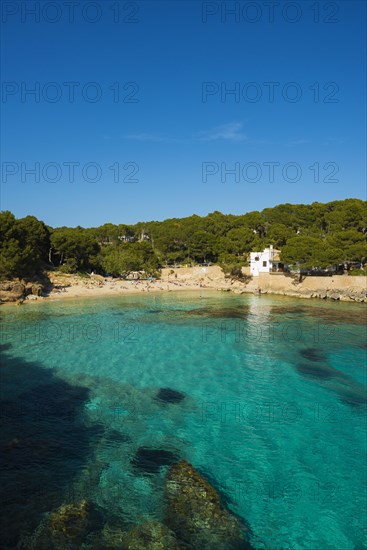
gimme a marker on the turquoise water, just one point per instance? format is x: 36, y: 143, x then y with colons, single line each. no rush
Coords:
x: 273, y: 410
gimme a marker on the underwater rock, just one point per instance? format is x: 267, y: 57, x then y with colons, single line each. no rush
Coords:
x: 151, y: 460
x: 313, y: 354
x: 67, y: 528
x: 151, y: 535
x: 195, y: 512
x: 354, y: 396
x: 109, y: 538
x: 167, y: 395
x: 114, y: 437
x: 221, y: 312
x: 317, y: 371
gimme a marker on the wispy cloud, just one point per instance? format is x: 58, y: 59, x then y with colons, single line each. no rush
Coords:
x: 334, y: 141
x: 145, y: 136
x: 228, y: 132
x: 297, y: 142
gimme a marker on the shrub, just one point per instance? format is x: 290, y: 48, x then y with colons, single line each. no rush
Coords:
x: 357, y: 272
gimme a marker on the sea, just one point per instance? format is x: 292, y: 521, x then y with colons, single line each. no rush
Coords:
x: 264, y: 395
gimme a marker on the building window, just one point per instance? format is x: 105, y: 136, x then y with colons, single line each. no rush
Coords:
x: 264, y: 264
x: 257, y: 258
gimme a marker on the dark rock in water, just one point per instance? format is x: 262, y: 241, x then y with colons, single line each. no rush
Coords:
x: 195, y: 512
x: 282, y: 310
x: 150, y: 536
x: 354, y: 396
x: 4, y: 347
x: 317, y: 371
x: 151, y: 460
x: 154, y: 311
x: 67, y: 528
x: 115, y: 437
x: 167, y: 395
x: 221, y: 313
x: 313, y: 354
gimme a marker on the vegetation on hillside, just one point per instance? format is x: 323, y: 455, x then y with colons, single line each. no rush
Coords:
x: 316, y: 235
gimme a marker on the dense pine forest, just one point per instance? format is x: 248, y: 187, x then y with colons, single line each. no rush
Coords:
x: 309, y: 235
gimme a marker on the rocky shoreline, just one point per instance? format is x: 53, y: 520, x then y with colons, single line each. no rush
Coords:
x: 342, y: 295
x: 18, y: 290
x: 58, y: 285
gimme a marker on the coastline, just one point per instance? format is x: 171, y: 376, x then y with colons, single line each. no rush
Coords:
x: 211, y: 278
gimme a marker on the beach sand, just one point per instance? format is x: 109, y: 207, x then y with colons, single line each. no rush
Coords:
x: 72, y: 286
x: 343, y: 287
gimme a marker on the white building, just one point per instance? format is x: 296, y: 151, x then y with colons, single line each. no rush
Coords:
x: 267, y: 261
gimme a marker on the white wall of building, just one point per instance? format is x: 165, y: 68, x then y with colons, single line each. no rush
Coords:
x: 261, y: 262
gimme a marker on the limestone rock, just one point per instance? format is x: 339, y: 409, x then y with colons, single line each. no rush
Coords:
x: 195, y: 512
x: 152, y: 535
x: 67, y: 527
x: 335, y: 295
x: 11, y: 291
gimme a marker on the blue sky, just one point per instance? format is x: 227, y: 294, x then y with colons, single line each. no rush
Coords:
x: 168, y: 124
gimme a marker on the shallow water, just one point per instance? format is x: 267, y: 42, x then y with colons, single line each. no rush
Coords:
x: 266, y: 396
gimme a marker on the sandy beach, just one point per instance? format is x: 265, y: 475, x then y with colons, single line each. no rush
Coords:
x: 72, y: 286
x: 64, y: 286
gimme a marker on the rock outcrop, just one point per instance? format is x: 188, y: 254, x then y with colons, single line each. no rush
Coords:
x: 195, y: 513
x: 153, y: 535
x: 194, y: 519
x: 18, y: 290
x: 67, y: 528
x: 12, y: 291
x: 343, y: 294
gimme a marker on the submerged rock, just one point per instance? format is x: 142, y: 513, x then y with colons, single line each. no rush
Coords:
x: 313, y: 354
x: 151, y: 460
x: 151, y: 535
x: 354, y: 396
x: 221, y: 312
x: 109, y: 538
x: 167, y: 395
x: 317, y: 371
x: 114, y: 437
x: 196, y: 514
x: 67, y: 528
